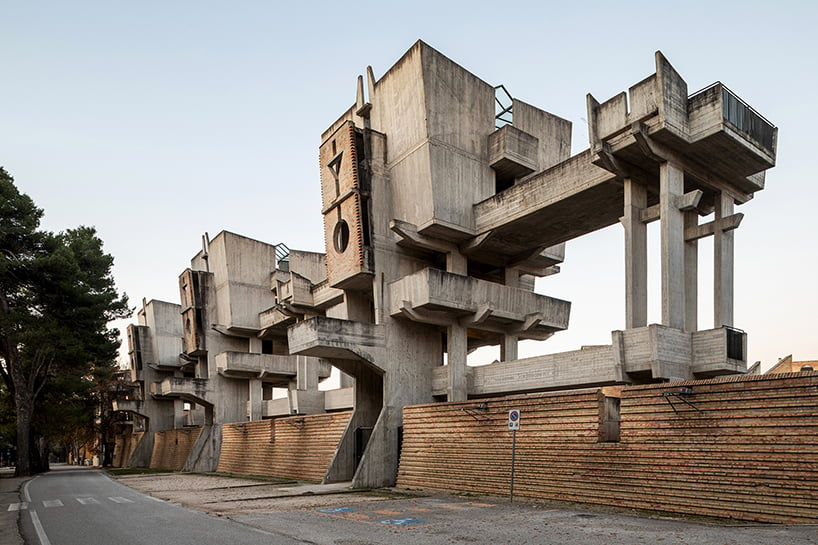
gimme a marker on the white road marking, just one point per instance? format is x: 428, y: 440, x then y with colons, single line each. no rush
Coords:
x: 22, y: 506
x: 39, y: 529
x: 120, y: 499
x: 52, y: 503
x: 86, y: 501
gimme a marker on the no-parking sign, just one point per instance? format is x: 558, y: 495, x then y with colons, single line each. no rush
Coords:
x: 514, y: 420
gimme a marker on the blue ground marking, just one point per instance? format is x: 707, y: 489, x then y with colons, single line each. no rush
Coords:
x: 400, y: 522
x: 336, y: 510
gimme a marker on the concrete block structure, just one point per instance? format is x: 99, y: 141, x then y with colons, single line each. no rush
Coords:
x: 443, y: 199
x: 436, y: 222
x: 209, y: 361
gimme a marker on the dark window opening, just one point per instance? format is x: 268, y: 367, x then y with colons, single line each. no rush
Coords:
x: 609, y: 419
x: 735, y: 344
x: 340, y: 236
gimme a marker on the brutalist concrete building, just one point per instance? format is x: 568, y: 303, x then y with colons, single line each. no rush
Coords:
x: 443, y: 200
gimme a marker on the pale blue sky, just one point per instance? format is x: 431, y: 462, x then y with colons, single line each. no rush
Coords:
x: 158, y: 121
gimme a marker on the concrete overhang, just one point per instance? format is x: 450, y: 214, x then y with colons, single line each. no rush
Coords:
x: 263, y: 366
x: 659, y: 352
x: 194, y: 390
x: 129, y: 405
x: 438, y: 297
x: 336, y: 339
x: 309, y: 402
x: 720, y: 142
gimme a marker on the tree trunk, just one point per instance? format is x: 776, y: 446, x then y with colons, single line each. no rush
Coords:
x: 25, y: 408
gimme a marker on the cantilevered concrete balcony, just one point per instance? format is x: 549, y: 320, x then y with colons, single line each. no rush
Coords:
x: 277, y: 317
x: 663, y: 353
x: 246, y: 365
x: 309, y: 402
x: 332, y: 338
x: 263, y: 366
x: 512, y: 153
x: 720, y: 142
x: 194, y: 390
x: 129, y: 405
x: 438, y: 297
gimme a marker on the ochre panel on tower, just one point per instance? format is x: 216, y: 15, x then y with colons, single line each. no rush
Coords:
x: 191, y: 291
x: 344, y: 193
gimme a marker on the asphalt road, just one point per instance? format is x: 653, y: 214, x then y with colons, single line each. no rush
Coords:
x: 85, y: 506
x: 82, y: 507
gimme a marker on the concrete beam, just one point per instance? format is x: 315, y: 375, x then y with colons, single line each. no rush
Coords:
x: 711, y: 228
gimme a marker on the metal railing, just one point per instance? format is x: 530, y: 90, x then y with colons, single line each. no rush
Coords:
x: 504, y: 110
x: 743, y: 116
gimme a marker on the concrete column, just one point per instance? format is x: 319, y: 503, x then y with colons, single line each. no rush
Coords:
x: 671, y: 188
x: 457, y: 263
x: 691, y: 275
x: 508, y: 350
x: 636, y: 255
x: 307, y: 377
x: 723, y: 266
x: 255, y: 396
x: 457, y: 349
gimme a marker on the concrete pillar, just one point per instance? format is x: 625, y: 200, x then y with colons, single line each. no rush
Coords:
x: 723, y: 266
x: 671, y: 188
x: 508, y: 350
x: 307, y: 377
x: 691, y: 219
x: 636, y: 255
x: 457, y: 263
x: 457, y: 349
x: 255, y: 397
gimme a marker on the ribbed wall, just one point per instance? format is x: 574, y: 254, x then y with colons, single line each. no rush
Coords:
x: 298, y: 448
x: 124, y: 447
x: 172, y: 447
x: 750, y: 454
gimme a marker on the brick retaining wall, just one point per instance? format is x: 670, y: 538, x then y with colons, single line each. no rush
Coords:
x: 298, y: 448
x: 748, y: 450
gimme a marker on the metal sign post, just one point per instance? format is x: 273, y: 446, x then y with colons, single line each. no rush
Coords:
x: 513, y: 425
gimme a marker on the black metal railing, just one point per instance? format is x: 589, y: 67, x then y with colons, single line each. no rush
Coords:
x: 742, y: 116
x: 735, y: 343
x: 504, y: 107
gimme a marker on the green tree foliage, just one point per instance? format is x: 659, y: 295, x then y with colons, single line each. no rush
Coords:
x: 57, y: 296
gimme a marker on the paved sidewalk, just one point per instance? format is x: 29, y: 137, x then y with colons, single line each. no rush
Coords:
x: 9, y: 495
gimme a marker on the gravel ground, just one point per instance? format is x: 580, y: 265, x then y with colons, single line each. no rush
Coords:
x: 337, y: 515
x: 226, y: 496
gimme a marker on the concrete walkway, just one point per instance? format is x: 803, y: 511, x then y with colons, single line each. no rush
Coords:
x: 10, y: 495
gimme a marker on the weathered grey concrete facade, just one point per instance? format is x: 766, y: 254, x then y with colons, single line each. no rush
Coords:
x: 437, y: 221
x: 209, y: 361
x: 439, y: 213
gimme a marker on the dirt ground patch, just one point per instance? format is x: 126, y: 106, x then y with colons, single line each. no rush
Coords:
x: 226, y: 496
